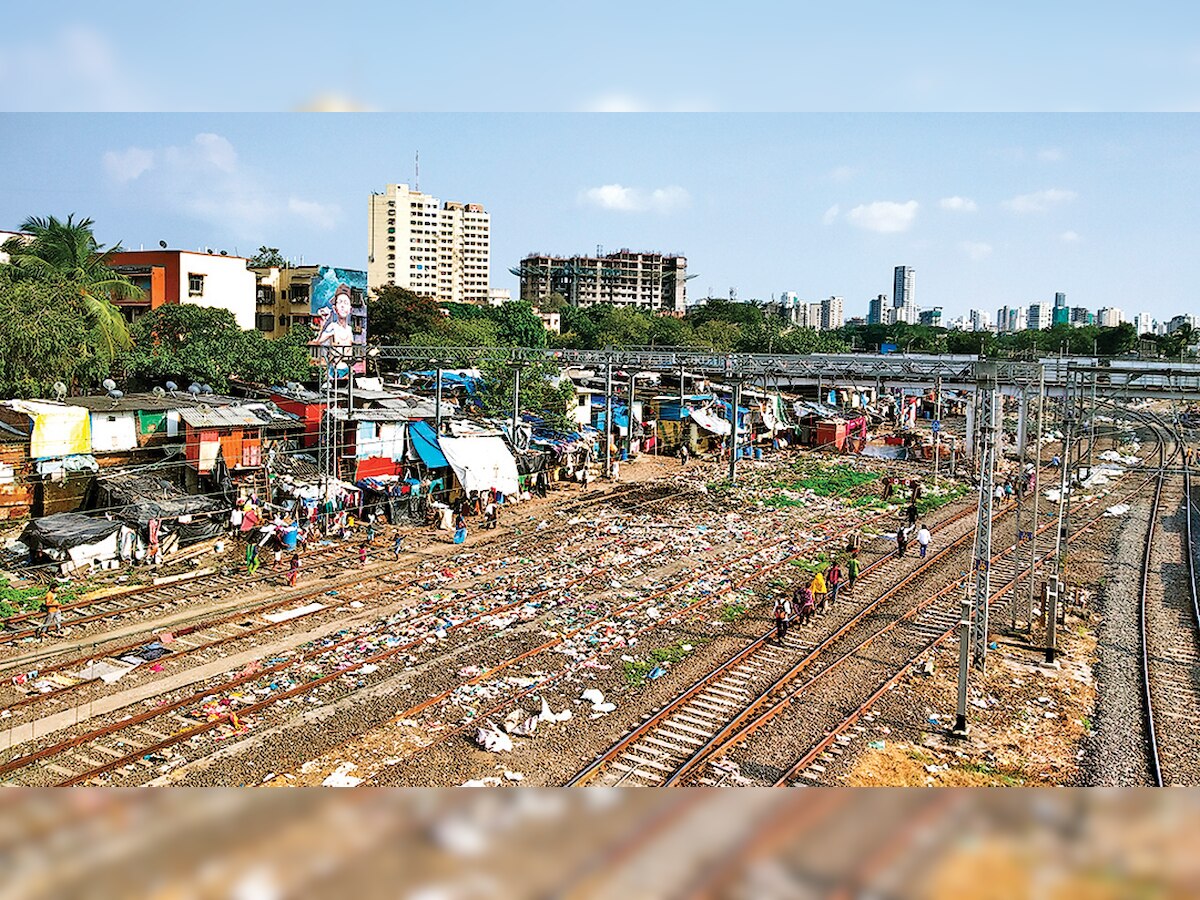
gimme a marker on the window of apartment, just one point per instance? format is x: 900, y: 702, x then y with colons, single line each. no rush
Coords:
x: 195, y: 285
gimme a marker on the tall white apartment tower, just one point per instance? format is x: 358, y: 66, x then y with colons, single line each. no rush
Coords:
x: 435, y: 249
x: 832, y: 315
x: 903, y: 287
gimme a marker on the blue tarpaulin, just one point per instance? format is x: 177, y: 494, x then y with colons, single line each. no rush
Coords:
x: 620, y: 416
x: 426, y: 443
x: 451, y: 379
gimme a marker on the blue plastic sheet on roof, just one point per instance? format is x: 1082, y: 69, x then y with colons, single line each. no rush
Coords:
x: 426, y: 444
x: 451, y: 379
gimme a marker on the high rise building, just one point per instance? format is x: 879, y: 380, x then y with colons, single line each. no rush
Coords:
x: 1060, y: 300
x: 624, y: 278
x: 1038, y: 316
x: 1177, y: 322
x: 1143, y: 323
x: 903, y: 293
x: 1109, y: 317
x: 812, y: 316
x: 1010, y: 318
x: 435, y: 249
x: 831, y: 313
x: 1080, y: 316
x: 979, y: 320
x: 876, y: 309
x: 931, y: 317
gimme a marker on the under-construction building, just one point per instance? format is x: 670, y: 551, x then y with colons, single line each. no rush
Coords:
x: 650, y: 280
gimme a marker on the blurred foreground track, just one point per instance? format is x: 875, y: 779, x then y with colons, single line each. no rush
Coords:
x: 552, y: 843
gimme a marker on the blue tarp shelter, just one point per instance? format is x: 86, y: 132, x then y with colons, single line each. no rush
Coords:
x: 426, y: 444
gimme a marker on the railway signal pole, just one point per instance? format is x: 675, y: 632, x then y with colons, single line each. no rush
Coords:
x: 733, y: 430
x: 973, y: 625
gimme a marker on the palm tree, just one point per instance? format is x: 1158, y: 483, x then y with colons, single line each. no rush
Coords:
x: 68, y: 250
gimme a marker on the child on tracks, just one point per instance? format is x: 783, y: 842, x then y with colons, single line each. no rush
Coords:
x: 293, y: 571
x: 808, y: 604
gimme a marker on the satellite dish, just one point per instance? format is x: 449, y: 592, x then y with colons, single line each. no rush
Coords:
x: 108, y: 384
x: 205, y: 389
x: 172, y: 386
x: 163, y: 244
x: 60, y: 391
x: 158, y: 392
x: 194, y: 389
x: 114, y: 395
x: 223, y: 253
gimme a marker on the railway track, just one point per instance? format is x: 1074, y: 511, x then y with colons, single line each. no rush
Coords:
x: 720, y: 712
x: 231, y: 628
x: 1169, y: 626
x: 143, y: 735
x: 659, y: 749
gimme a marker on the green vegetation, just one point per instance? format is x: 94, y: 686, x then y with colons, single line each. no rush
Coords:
x: 637, y: 673
x: 14, y: 601
x: 930, y: 501
x: 731, y: 612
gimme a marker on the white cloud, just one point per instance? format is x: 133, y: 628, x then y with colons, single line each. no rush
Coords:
x: 958, y: 204
x: 976, y: 250
x: 126, y: 165
x: 884, y: 216
x: 74, y: 69
x: 831, y: 214
x: 618, y: 198
x: 1039, y: 201
x: 1051, y: 154
x: 842, y: 173
x: 322, y: 215
x: 1070, y: 237
x: 205, y: 180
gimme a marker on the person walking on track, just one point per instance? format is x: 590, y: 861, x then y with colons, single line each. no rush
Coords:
x: 782, y: 613
x: 53, y: 613
x: 820, y: 590
x: 833, y: 580
x: 293, y: 571
x: 923, y: 539
x: 852, y: 570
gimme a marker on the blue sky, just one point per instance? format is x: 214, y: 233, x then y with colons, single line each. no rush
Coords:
x: 989, y: 209
x: 548, y: 55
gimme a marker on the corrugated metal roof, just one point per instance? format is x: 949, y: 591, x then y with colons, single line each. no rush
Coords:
x: 220, y: 417
x: 132, y: 403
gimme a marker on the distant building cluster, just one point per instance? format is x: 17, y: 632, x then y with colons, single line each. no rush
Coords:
x: 653, y: 281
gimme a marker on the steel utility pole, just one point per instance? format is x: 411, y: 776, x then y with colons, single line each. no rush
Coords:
x: 629, y: 430
x: 516, y: 400
x: 437, y: 400
x: 1054, y: 582
x: 1037, y: 493
x: 608, y: 419
x: 973, y: 625
x: 937, y: 433
x: 733, y: 431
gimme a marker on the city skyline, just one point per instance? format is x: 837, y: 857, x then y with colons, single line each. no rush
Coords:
x: 991, y: 210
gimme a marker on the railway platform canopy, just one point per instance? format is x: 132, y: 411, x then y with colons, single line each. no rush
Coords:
x: 1117, y: 377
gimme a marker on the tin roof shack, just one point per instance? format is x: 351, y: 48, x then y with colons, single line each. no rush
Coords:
x: 16, y: 473
x: 222, y: 437
x: 59, y: 451
x: 133, y: 422
x: 370, y: 442
x: 306, y: 406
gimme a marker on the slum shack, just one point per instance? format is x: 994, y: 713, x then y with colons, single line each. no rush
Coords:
x: 59, y: 451
x: 157, y: 512
x: 72, y: 541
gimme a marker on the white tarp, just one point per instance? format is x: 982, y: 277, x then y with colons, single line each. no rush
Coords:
x: 482, y: 463
x: 709, y: 422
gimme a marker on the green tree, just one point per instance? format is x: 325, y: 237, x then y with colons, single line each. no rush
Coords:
x: 189, y: 343
x: 518, y: 326
x: 718, y: 335
x: 722, y: 310
x: 395, y: 313
x: 544, y: 392
x: 266, y: 258
x: 553, y: 302
x: 44, y: 337
x: 1115, y: 341
x: 67, y: 251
